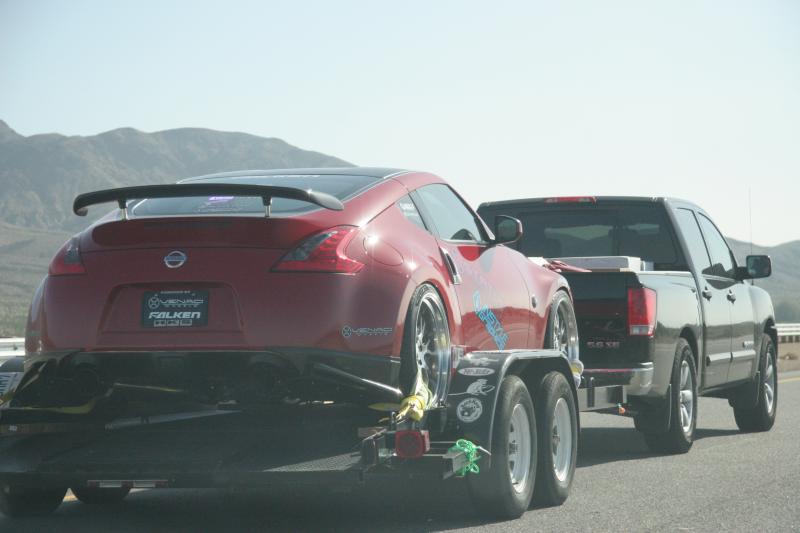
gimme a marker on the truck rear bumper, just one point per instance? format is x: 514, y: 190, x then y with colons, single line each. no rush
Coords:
x: 637, y: 379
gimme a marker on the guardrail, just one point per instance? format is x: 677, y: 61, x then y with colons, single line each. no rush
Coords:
x: 9, y: 347
x: 12, y: 346
x: 788, y: 332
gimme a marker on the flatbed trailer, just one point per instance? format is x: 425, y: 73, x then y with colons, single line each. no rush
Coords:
x: 317, y: 443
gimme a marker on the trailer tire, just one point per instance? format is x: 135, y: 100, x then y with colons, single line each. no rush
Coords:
x: 495, y: 492
x: 23, y: 501
x: 683, y: 406
x: 100, y: 496
x: 557, y: 419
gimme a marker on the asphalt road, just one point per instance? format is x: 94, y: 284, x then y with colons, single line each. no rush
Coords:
x: 728, y: 481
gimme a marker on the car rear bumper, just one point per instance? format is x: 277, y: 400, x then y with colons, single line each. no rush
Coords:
x: 636, y: 378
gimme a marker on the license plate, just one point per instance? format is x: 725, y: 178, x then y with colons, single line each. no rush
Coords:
x: 174, y: 309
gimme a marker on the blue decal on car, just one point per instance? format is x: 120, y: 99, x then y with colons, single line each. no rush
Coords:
x: 490, y: 321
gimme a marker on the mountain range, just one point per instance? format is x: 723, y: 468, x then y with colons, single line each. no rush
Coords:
x: 40, y: 175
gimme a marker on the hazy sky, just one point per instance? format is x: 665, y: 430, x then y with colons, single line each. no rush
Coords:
x: 695, y: 99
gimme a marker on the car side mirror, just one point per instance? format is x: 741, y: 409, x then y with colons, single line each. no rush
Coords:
x: 757, y: 266
x: 507, y: 230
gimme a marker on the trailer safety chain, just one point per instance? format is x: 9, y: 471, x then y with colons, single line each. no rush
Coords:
x: 471, y: 451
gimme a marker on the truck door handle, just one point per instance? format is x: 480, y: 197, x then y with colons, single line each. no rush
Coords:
x: 707, y: 293
x: 731, y: 296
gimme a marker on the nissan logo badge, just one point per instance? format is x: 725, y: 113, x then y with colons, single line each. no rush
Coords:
x: 175, y: 259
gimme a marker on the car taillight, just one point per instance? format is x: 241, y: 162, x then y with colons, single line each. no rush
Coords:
x: 323, y: 252
x: 571, y: 200
x: 68, y: 260
x: 641, y: 312
x: 411, y: 443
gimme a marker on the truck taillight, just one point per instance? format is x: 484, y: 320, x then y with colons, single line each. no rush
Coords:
x: 411, y: 443
x: 323, y: 252
x: 68, y: 260
x: 641, y: 312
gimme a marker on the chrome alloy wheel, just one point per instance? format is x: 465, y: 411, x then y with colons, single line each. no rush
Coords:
x: 519, y: 448
x: 769, y: 382
x: 432, y: 341
x: 686, y: 398
x: 565, y: 331
x: 562, y: 439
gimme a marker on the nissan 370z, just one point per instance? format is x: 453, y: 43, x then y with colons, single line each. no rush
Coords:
x: 279, y: 286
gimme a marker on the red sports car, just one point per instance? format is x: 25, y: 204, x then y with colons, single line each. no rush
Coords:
x: 282, y: 285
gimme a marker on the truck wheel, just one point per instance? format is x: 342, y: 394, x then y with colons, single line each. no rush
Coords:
x: 558, y: 440
x: 761, y: 417
x: 426, y: 343
x: 504, y: 490
x: 100, y: 496
x: 22, y: 501
x: 683, y: 405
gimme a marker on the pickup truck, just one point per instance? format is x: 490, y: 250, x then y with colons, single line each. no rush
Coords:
x: 662, y: 307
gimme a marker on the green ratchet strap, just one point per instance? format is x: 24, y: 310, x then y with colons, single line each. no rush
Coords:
x: 471, y: 451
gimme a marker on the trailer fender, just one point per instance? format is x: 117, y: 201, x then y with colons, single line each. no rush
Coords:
x: 472, y: 397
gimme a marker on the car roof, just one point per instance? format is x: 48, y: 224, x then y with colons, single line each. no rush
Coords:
x: 375, y: 172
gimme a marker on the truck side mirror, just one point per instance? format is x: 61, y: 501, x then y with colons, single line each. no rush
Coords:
x: 758, y: 266
x: 507, y: 230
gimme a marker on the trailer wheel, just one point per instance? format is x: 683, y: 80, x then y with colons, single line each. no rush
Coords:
x: 504, y: 490
x: 558, y: 440
x: 23, y: 501
x: 100, y: 496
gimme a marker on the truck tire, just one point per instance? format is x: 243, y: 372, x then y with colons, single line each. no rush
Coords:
x: 23, y: 501
x: 557, y: 428
x: 683, y: 405
x: 100, y: 496
x: 504, y: 490
x: 761, y: 417
x: 426, y: 343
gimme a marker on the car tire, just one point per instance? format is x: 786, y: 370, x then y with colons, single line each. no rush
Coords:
x: 100, y: 496
x: 557, y: 419
x: 562, y: 327
x: 504, y: 490
x: 426, y: 307
x: 22, y: 501
x: 683, y: 406
x: 761, y: 417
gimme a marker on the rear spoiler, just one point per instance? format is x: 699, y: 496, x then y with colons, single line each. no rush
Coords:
x: 178, y: 190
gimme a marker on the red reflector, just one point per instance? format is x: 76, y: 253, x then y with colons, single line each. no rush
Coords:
x: 68, y: 260
x: 641, y: 312
x: 411, y: 443
x: 323, y: 252
x: 571, y: 200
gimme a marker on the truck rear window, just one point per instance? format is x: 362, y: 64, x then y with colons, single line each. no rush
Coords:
x: 342, y: 187
x: 637, y: 231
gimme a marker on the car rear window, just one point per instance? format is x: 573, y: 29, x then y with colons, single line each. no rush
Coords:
x: 637, y: 231
x: 342, y: 187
